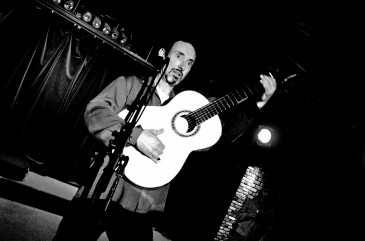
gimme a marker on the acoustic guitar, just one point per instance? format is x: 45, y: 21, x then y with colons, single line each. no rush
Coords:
x: 190, y: 123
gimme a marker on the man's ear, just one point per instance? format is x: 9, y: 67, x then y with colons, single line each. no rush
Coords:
x: 162, y: 53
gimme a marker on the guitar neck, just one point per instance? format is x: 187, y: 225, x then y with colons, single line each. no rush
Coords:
x: 226, y: 102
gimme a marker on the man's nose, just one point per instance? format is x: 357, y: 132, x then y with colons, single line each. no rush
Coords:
x: 182, y: 65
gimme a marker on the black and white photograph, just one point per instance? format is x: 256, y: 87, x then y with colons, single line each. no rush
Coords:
x: 181, y: 121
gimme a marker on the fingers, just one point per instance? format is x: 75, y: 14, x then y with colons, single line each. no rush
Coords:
x: 268, y: 81
x: 155, y: 156
x: 269, y: 84
x: 150, y: 145
x: 160, y: 131
x: 158, y: 148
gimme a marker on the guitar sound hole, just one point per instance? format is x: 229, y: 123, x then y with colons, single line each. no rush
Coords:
x: 183, y: 125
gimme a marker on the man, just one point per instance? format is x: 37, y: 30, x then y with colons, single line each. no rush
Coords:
x: 255, y: 218
x: 129, y: 215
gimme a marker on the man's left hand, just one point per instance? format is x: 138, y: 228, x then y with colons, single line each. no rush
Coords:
x: 269, y: 84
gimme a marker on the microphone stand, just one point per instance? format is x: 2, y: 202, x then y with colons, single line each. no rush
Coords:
x: 118, y: 161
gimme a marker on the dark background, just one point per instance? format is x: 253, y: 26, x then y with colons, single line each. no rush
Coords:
x: 317, y: 163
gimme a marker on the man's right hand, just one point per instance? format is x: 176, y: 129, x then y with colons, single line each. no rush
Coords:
x: 150, y: 145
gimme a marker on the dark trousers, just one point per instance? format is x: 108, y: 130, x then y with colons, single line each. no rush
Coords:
x: 238, y: 237
x: 82, y: 223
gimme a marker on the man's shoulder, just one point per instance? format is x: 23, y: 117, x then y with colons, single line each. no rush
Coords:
x: 132, y: 78
x: 135, y: 79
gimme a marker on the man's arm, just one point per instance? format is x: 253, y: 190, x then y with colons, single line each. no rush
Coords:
x: 101, y: 113
x: 101, y: 117
x: 238, y: 121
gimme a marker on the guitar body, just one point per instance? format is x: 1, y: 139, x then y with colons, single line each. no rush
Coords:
x: 179, y: 138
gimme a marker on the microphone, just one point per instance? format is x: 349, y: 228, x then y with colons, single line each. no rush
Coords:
x: 165, y: 61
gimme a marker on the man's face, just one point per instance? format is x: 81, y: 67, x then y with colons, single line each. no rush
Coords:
x: 182, y: 56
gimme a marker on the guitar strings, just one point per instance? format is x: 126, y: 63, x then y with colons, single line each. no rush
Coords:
x: 218, y: 106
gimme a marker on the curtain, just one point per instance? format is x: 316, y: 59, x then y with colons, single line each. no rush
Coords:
x: 50, y: 71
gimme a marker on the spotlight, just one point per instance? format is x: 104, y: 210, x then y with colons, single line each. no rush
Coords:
x: 106, y: 29
x: 96, y: 22
x: 87, y: 17
x: 78, y: 15
x: 265, y: 135
x: 115, y: 33
x: 123, y: 37
x: 69, y: 5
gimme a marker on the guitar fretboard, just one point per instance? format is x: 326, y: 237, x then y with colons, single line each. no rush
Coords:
x: 222, y: 104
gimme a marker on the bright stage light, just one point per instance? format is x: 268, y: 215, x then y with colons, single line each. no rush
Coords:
x: 96, y: 22
x: 69, y: 5
x: 87, y: 16
x: 265, y: 135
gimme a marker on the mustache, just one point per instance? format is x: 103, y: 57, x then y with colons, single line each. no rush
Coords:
x: 177, y: 70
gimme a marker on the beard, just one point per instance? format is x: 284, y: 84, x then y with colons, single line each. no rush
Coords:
x: 173, y: 77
